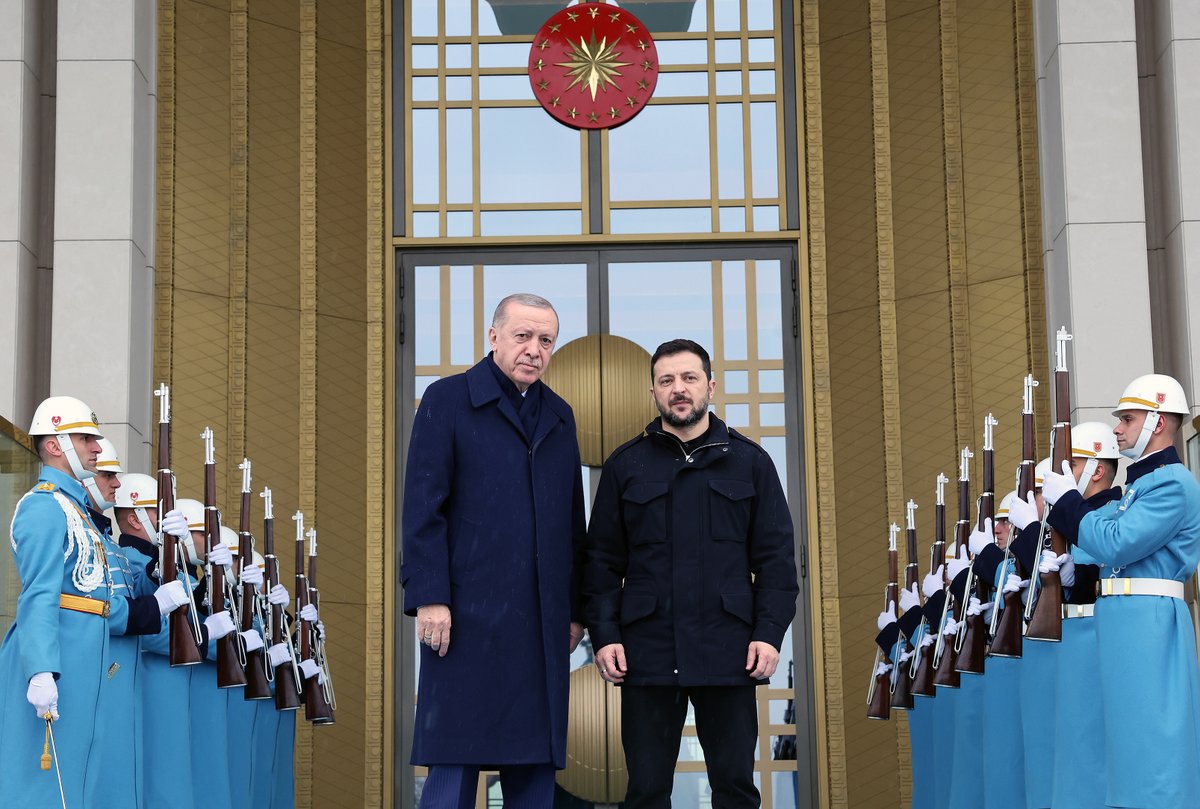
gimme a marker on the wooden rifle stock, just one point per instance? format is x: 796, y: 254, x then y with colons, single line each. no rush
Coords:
x: 923, y: 684
x: 287, y: 678
x: 183, y: 650
x: 1007, y: 640
x: 258, y: 685
x: 944, y: 673
x: 317, y: 708
x: 902, y: 696
x: 879, y: 698
x: 229, y: 666
x: 972, y: 652
x: 1045, y: 620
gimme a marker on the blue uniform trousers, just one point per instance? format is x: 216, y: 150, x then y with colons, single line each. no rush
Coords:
x: 1079, y: 771
x: 942, y: 744
x: 243, y: 714
x: 210, y: 739
x: 966, y: 784
x: 920, y: 740
x: 1004, y: 770
x: 1039, y: 662
x: 283, y: 794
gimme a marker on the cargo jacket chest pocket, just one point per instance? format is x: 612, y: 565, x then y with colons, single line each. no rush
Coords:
x: 645, y: 507
x: 729, y: 506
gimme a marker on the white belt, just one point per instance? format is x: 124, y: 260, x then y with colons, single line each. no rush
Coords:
x: 1078, y: 610
x: 1140, y: 587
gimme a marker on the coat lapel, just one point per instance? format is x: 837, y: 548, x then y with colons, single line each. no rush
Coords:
x: 484, y: 390
x: 552, y: 413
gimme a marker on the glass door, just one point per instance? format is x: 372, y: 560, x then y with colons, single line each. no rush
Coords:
x: 615, y: 307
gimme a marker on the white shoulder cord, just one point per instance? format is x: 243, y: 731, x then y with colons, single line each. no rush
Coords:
x: 88, y: 573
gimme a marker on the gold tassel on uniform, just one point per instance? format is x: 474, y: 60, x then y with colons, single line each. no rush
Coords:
x: 46, y: 747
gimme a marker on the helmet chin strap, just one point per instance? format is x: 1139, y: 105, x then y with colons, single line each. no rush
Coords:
x: 190, y: 545
x: 1089, y: 469
x: 147, y: 526
x: 1135, y: 452
x: 68, y: 449
x: 97, y: 499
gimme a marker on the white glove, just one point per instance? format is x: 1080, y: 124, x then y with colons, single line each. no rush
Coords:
x: 958, y: 564
x: 278, y: 596
x: 932, y: 582
x: 321, y: 630
x: 887, y: 617
x: 951, y: 627
x: 883, y: 668
x: 252, y: 575
x: 43, y: 694
x: 927, y: 640
x: 252, y: 639
x: 1023, y: 512
x: 170, y: 596
x: 1055, y: 485
x: 175, y: 524
x: 219, y: 554
x: 974, y: 607
x: 309, y: 668
x: 906, y: 656
x: 909, y: 598
x: 1063, y: 565
x: 981, y: 538
x: 278, y: 654
x: 1014, y: 583
x: 309, y: 613
x: 986, y: 612
x: 219, y: 624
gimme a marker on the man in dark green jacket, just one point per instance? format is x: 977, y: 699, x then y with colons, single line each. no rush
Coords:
x: 690, y: 584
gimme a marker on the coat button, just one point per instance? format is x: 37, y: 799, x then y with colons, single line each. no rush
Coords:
x: 676, y: 671
x: 690, y: 459
x: 724, y: 449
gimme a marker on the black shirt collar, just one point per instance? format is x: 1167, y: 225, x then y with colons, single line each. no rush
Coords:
x: 142, y: 546
x: 1107, y: 496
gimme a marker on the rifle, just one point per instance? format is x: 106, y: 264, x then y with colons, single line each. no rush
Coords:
x: 258, y: 685
x: 1008, y: 628
x: 902, y: 697
x: 1044, y: 610
x: 878, y: 705
x: 972, y: 634
x: 231, y: 656
x: 315, y: 709
x: 287, y: 677
x: 184, y: 622
x: 944, y: 674
x: 921, y: 670
x: 318, y: 642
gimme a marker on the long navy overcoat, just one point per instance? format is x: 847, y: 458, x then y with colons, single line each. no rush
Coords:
x: 493, y: 522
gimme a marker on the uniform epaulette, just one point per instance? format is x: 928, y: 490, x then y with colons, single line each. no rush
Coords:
x: 45, y: 487
x: 735, y: 434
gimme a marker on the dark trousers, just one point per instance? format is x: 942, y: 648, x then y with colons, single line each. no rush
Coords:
x: 652, y: 720
x: 525, y: 786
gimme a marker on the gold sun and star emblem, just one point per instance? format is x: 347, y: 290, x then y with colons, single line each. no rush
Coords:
x: 593, y: 66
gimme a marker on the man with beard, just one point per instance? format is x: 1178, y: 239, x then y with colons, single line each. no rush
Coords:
x: 690, y: 584
x: 493, y: 519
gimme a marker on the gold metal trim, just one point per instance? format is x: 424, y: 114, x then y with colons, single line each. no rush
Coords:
x: 239, y: 171
x: 307, y: 466
x: 15, y: 433
x: 164, y: 190
x: 956, y: 233
x: 379, y: 726
x: 889, y: 352
x: 826, y: 606
x: 1028, y: 163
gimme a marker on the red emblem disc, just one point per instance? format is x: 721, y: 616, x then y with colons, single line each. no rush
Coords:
x: 593, y: 66
x: 1096, y: 445
x: 56, y: 420
x: 1161, y: 397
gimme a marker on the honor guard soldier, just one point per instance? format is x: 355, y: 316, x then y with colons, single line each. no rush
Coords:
x: 57, y: 653
x: 1149, y: 545
x: 163, y: 773
x: 243, y: 712
x: 1070, y: 754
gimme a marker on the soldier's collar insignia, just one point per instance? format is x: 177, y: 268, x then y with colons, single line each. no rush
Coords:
x: 45, y: 487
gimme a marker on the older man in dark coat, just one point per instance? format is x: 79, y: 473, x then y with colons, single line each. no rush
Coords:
x: 493, y: 519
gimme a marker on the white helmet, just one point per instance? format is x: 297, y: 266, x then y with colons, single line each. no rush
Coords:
x: 1156, y: 394
x: 259, y: 561
x: 106, y: 461
x: 1095, y: 441
x: 1039, y: 472
x: 229, y: 538
x: 193, y: 512
x: 62, y: 416
x: 1005, y: 504
x: 139, y: 492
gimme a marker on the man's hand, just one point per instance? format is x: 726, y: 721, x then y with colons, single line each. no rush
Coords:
x: 576, y: 634
x: 933, y: 582
x: 980, y: 538
x: 958, y: 564
x: 1023, y: 512
x: 43, y: 694
x: 909, y: 598
x: 1055, y: 485
x: 761, y: 659
x: 433, y: 627
x: 610, y: 660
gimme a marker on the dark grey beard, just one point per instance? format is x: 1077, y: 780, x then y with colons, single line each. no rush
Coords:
x: 687, y: 421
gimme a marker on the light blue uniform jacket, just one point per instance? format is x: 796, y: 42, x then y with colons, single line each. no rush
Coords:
x: 75, y: 646
x: 1149, y: 674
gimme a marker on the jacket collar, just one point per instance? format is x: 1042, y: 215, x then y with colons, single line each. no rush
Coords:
x: 65, y: 483
x: 142, y: 546
x: 483, y: 389
x: 1107, y: 496
x: 718, y: 432
x: 717, y: 435
x: 1151, y: 462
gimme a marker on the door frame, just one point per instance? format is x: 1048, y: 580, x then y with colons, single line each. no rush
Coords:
x: 595, y: 258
